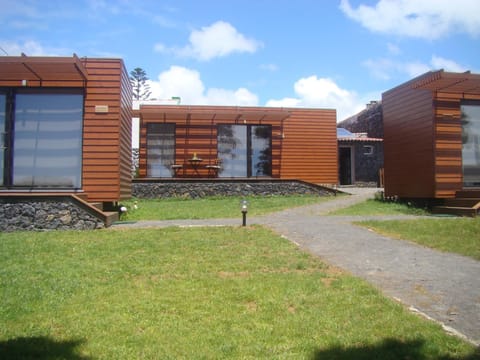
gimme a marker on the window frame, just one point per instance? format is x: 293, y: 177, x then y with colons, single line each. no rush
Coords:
x: 10, y: 136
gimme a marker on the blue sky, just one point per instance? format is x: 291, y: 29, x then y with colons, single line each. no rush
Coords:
x: 310, y: 53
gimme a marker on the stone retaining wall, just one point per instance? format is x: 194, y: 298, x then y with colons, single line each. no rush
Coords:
x: 45, y: 215
x: 198, y: 189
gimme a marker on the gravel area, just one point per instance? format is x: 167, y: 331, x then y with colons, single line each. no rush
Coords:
x: 441, y: 286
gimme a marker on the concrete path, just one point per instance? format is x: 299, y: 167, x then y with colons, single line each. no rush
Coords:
x: 444, y: 287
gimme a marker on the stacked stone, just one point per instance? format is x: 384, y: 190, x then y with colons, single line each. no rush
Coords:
x: 45, y: 215
x: 193, y: 190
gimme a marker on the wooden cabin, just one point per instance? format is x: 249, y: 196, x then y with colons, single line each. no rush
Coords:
x: 432, y: 137
x: 66, y: 127
x: 238, y: 142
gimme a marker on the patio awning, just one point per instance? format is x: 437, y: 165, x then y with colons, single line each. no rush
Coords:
x: 222, y: 113
x: 43, y: 69
x: 457, y: 83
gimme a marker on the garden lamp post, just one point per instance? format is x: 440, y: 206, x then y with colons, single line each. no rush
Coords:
x: 244, y: 209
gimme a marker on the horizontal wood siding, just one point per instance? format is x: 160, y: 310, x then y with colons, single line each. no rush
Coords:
x: 309, y: 150
x: 198, y: 134
x: 408, y: 120
x: 448, y: 146
x: 107, y: 136
x: 448, y: 143
x: 304, y: 145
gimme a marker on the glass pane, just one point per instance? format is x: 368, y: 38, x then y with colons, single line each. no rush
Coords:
x: 261, y: 151
x: 48, y: 140
x: 471, y: 145
x: 160, y: 149
x: 232, y: 150
x: 2, y: 136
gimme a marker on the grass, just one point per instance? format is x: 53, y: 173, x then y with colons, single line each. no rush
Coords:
x: 377, y: 207
x: 456, y: 235
x: 213, y: 207
x: 198, y: 293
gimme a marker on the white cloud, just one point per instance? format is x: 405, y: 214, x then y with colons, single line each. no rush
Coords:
x: 323, y: 93
x: 448, y: 65
x: 413, y: 69
x: 186, y: 83
x: 385, y: 68
x: 393, y: 49
x: 380, y: 68
x: 269, y: 67
x: 217, y: 40
x: 31, y: 48
x: 429, y: 19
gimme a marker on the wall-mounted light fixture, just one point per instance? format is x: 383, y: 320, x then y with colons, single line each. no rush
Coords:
x: 101, y: 109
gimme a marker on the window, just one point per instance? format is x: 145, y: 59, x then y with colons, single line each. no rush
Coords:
x: 160, y: 149
x: 43, y: 148
x: 245, y: 150
x: 261, y: 150
x: 367, y: 149
x: 471, y: 143
x: 3, y: 133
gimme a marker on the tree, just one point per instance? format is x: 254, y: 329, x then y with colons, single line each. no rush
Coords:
x: 138, y: 79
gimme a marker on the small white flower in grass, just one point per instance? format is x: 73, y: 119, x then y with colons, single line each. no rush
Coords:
x: 123, y: 209
x: 135, y: 206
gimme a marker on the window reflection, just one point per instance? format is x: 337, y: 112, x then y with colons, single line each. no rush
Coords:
x: 244, y: 150
x: 47, y: 150
x: 261, y: 151
x: 160, y: 149
x: 2, y: 136
x: 232, y: 150
x: 471, y: 144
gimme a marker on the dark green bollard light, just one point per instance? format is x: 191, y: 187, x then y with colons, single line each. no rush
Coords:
x: 244, y: 209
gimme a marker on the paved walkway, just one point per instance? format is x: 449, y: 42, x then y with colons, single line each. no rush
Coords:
x: 444, y: 287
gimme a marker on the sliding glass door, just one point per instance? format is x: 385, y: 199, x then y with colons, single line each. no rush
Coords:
x: 244, y: 150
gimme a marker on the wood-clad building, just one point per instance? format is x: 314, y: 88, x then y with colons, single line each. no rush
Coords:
x: 432, y: 135
x: 238, y: 142
x: 66, y: 126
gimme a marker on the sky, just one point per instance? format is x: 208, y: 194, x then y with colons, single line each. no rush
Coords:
x: 338, y: 54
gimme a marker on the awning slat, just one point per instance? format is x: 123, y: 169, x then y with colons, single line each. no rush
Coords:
x: 457, y: 83
x: 42, y: 68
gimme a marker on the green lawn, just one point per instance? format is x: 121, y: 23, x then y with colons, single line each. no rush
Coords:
x: 201, y: 293
x: 213, y: 207
x: 456, y: 235
x: 377, y: 207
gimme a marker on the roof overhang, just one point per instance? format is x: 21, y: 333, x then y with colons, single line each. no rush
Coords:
x: 234, y: 114
x: 456, y: 83
x: 42, y: 69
